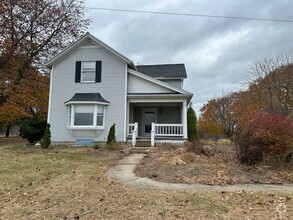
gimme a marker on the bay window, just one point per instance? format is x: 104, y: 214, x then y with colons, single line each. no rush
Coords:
x: 86, y: 116
x: 86, y: 111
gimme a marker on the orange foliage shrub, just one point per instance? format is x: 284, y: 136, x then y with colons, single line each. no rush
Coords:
x: 265, y: 133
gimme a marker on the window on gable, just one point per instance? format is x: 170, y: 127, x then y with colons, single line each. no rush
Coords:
x: 86, y: 116
x: 88, y: 71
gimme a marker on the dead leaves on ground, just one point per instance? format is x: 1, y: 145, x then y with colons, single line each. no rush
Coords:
x: 181, y: 165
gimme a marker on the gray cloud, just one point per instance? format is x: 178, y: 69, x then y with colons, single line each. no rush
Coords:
x: 217, y: 52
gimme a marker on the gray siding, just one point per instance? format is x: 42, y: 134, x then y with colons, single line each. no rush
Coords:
x: 169, y: 115
x: 112, y: 88
x: 139, y: 85
x: 174, y: 82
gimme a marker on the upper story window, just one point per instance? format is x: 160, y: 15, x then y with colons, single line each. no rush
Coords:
x: 88, y: 71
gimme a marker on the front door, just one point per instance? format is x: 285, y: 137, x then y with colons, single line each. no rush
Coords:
x: 149, y: 116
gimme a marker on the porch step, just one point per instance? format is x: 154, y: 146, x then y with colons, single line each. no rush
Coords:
x: 139, y: 150
x: 143, y: 143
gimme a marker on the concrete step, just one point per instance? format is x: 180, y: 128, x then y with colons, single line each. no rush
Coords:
x: 139, y: 150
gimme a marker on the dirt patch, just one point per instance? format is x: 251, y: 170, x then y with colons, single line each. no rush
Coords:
x: 208, y: 164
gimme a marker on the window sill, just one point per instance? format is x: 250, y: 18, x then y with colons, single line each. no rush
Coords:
x: 87, y: 82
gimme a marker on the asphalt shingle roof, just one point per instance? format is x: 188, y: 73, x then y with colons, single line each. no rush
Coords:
x: 90, y: 97
x: 163, y: 70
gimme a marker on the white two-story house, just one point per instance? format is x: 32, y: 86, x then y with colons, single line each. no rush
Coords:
x: 93, y: 86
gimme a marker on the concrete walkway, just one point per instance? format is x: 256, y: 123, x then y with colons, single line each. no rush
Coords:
x: 124, y: 172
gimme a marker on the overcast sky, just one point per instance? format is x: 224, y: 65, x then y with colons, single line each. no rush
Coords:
x: 217, y: 53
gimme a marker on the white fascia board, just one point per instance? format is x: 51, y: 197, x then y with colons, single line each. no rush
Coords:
x: 50, y: 96
x: 86, y: 102
x: 68, y: 50
x: 159, y: 96
x: 158, y: 82
x: 176, y: 78
x: 110, y: 49
x: 79, y: 42
x: 161, y: 100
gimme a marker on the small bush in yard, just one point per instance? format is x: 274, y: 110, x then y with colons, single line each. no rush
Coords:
x: 46, y: 141
x: 192, y: 125
x: 32, y: 129
x: 111, y: 146
x: 96, y: 146
x: 111, y: 136
x: 266, y: 134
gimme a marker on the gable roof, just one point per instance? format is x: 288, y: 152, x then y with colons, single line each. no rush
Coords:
x: 87, y: 97
x: 163, y: 70
x: 80, y: 42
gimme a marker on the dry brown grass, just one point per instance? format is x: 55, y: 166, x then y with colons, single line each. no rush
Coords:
x: 214, y: 164
x: 69, y: 183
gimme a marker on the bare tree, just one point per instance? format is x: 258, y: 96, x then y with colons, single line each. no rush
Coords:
x: 271, y: 83
x: 224, y: 112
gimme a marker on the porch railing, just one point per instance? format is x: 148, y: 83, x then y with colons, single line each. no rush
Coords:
x: 166, y: 130
x: 133, y: 132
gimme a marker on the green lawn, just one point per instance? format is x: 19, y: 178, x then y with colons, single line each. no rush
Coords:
x: 67, y: 183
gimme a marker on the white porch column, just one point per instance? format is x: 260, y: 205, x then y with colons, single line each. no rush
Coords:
x: 126, y: 122
x: 184, y: 118
x: 134, y: 134
x: 153, y: 135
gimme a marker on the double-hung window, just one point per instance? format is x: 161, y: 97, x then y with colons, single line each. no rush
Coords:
x: 88, y: 71
x: 100, y: 115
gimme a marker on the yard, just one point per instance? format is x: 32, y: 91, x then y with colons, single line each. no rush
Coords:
x: 69, y: 183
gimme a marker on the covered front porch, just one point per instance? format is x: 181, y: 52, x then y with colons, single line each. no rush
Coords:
x: 157, y: 120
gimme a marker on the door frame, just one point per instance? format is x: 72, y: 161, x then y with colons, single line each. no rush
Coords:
x: 144, y: 110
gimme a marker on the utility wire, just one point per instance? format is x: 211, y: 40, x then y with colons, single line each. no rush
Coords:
x: 192, y: 15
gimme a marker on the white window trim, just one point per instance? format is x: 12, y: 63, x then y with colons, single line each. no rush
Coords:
x: 81, y: 72
x: 71, y: 125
